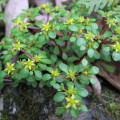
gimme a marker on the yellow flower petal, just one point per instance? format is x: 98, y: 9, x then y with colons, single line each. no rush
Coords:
x: 68, y: 99
x: 74, y: 106
x: 68, y: 105
x: 73, y: 96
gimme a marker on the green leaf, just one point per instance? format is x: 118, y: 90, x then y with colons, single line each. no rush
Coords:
x: 56, y: 51
x: 116, y: 56
x: 60, y: 79
x: 34, y: 84
x: 8, y: 57
x: 95, y: 45
x: 84, y: 108
x: 42, y: 66
x: 74, y: 113
x: 70, y: 84
x: 52, y: 34
x: 1, y: 85
x: 94, y: 25
x: 39, y: 23
x: 56, y: 86
x: 94, y: 70
x: 59, y: 97
x: 60, y: 110
x: 46, y: 61
x: 84, y: 62
x: 46, y: 77
x: 84, y: 80
x: 107, y: 34
x: 23, y: 74
x: 72, y: 58
x: 18, y: 65
x: 63, y: 67
x: 106, y: 49
x: 92, y: 80
x: 82, y: 48
x: 72, y: 39
x: 109, y: 68
x: 38, y: 74
x: 96, y: 55
x: 83, y: 92
x: 15, y: 83
x: 53, y: 57
x: 81, y: 42
x: 30, y: 78
x: 2, y: 75
x: 90, y: 52
x: 73, y: 28
x: 101, y: 12
x: 64, y: 56
x: 52, y: 82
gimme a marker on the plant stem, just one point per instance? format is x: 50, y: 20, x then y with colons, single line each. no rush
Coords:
x: 60, y: 50
x: 99, y: 48
x: 34, y: 28
x: 26, y: 53
x: 79, y: 60
x: 59, y: 47
x: 104, y: 26
x: 48, y: 15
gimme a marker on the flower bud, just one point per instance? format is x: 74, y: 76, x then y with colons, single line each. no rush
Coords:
x: 85, y: 72
x: 107, y: 14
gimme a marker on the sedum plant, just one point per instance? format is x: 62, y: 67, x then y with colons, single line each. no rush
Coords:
x: 59, y: 53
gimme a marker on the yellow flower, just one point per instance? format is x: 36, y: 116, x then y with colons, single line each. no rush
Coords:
x: 18, y: 21
x: 111, y: 22
x: 116, y: 46
x: 24, y: 24
x: 37, y: 58
x: 10, y: 67
x: 18, y: 46
x: 71, y: 90
x: 71, y: 74
x: 57, y: 7
x: 55, y: 73
x: 21, y: 28
x: 90, y: 36
x: 117, y: 30
x: 71, y: 101
x: 70, y: 21
x: 47, y: 10
x: 114, y: 38
x: 29, y: 64
x: 80, y: 30
x: 44, y: 5
x: 107, y: 14
x: 46, y: 27
x: 81, y: 19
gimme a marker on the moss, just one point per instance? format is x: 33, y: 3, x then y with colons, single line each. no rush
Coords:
x: 112, y: 107
x: 31, y: 104
x: 38, y: 104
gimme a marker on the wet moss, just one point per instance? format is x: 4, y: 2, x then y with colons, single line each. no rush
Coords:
x: 37, y: 104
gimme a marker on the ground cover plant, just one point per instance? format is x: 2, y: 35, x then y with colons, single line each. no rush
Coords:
x: 61, y: 52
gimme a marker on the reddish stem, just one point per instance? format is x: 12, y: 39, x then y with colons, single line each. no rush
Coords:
x: 79, y: 60
x: 99, y: 48
x: 60, y: 50
x: 62, y: 76
x: 71, y: 33
x: 7, y: 77
x: 34, y: 28
x: 48, y: 15
x: 26, y: 53
x: 104, y: 26
x: 59, y: 47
